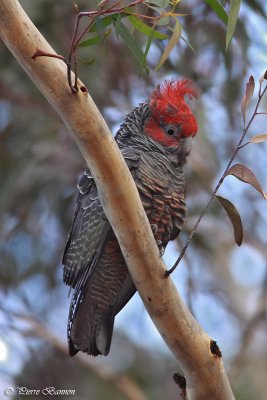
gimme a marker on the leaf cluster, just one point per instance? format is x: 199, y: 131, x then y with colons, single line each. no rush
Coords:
x: 239, y: 171
x: 154, y: 20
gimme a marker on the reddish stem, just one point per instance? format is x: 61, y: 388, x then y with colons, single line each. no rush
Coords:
x: 41, y: 53
x: 238, y: 147
x: 75, y: 40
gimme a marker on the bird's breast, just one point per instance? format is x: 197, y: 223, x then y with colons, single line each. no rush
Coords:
x: 165, y: 207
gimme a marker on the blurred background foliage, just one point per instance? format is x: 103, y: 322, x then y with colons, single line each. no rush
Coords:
x: 224, y: 286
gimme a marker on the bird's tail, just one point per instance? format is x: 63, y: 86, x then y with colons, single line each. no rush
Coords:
x: 87, y: 331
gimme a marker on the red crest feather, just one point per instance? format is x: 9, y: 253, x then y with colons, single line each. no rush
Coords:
x: 167, y: 104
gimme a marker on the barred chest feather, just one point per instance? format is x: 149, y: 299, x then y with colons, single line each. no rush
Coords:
x: 161, y: 186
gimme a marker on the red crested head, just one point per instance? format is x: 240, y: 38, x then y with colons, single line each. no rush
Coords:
x: 171, y: 118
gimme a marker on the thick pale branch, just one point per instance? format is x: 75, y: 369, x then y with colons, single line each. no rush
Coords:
x: 204, y: 371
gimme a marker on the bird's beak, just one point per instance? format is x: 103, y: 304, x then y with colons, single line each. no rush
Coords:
x: 186, y: 145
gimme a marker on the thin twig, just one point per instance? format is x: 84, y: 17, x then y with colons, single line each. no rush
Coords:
x: 41, y: 53
x: 205, y: 209
x: 75, y: 41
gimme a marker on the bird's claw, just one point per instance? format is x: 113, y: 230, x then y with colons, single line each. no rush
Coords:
x: 161, y: 248
x: 154, y: 228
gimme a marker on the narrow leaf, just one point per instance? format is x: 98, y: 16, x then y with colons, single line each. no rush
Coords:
x: 173, y: 14
x: 100, y: 27
x: 259, y: 138
x: 234, y: 217
x: 172, y: 42
x: 131, y: 43
x: 94, y: 40
x: 188, y: 44
x: 247, y: 96
x: 86, y: 62
x: 163, y: 20
x: 106, y: 21
x: 159, y: 3
x: 232, y: 20
x: 244, y: 174
x: 146, y: 29
x: 148, y: 45
x: 219, y: 10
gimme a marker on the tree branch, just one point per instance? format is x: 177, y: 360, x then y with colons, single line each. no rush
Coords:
x: 203, y: 370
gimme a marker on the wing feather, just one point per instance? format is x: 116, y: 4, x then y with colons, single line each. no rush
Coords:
x: 87, y: 235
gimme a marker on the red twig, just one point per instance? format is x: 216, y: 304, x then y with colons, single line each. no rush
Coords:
x: 41, y: 53
x: 74, y: 41
x: 76, y: 38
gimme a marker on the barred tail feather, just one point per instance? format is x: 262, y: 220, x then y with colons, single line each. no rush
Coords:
x: 86, y: 332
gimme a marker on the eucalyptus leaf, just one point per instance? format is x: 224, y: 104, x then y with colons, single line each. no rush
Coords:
x: 244, y: 174
x: 138, y: 24
x: 172, y: 42
x: 131, y: 43
x: 234, y: 217
x: 94, y: 39
x: 219, y: 10
x: 106, y: 21
x: 232, y: 20
x: 159, y: 3
x: 164, y: 21
x: 247, y: 96
x: 259, y: 138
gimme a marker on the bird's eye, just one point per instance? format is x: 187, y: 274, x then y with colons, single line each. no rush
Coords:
x: 171, y: 130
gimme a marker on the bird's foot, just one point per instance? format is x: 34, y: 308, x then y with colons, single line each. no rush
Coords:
x: 154, y: 228
x: 161, y: 248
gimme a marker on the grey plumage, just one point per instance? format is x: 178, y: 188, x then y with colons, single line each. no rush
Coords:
x: 93, y: 263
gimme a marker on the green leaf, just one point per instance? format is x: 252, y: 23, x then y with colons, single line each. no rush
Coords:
x: 86, y: 62
x: 94, y: 40
x: 100, y: 27
x: 232, y: 20
x: 219, y: 10
x: 159, y: 3
x: 177, y: 31
x: 106, y: 21
x: 188, y: 44
x: 234, y: 217
x: 146, y: 29
x: 131, y: 43
x: 163, y: 21
x: 148, y: 45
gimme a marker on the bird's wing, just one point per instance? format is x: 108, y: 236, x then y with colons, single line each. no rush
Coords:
x: 90, y: 228
x: 87, y: 235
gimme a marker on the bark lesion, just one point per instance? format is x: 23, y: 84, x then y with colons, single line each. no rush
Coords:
x: 181, y: 382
